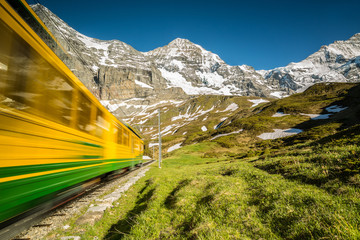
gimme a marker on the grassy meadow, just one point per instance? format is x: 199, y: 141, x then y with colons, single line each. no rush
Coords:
x: 195, y: 197
x: 305, y: 186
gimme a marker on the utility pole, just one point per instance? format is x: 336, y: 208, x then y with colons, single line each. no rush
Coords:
x: 153, y: 151
x: 159, y: 140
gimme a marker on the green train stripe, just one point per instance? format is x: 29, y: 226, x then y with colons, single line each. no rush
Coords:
x: 88, y: 144
x: 19, y: 195
x: 100, y: 166
x: 21, y: 170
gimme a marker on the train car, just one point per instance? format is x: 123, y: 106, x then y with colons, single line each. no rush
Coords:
x: 54, y: 133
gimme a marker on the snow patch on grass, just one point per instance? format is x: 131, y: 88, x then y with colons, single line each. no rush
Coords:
x: 280, y: 114
x: 226, y: 134
x: 231, y: 107
x: 279, y: 133
x: 257, y: 101
x: 172, y: 148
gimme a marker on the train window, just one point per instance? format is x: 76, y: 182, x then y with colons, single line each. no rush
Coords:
x: 58, y: 93
x: 115, y: 133
x: 101, y: 124
x: 30, y: 83
x: 99, y: 130
x: 136, y: 145
x: 132, y: 143
x: 5, y: 42
x: 84, y: 111
x: 126, y: 137
x: 120, y: 135
x: 15, y: 65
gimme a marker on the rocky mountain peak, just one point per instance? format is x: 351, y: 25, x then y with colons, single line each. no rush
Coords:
x: 335, y: 62
x: 115, y: 70
x: 184, y: 49
x: 180, y: 43
x: 356, y: 37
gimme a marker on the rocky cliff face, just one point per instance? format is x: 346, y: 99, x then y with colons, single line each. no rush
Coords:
x: 115, y: 71
x: 110, y: 69
x: 197, y: 71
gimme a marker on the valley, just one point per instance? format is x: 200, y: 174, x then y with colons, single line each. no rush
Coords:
x: 247, y: 154
x: 229, y: 183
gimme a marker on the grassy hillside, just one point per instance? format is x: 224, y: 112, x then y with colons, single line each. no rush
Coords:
x: 185, y: 123
x: 305, y: 186
x: 192, y: 197
x: 315, y: 100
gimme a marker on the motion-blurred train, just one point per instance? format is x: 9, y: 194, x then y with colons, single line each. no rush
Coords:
x: 54, y: 134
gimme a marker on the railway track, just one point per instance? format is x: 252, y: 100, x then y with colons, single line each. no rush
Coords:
x: 41, y: 224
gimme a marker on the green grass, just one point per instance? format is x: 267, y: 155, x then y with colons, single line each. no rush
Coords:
x: 192, y: 197
x: 331, y: 163
x: 239, y: 187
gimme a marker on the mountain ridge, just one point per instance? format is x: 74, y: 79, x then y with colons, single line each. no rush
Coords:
x: 182, y: 68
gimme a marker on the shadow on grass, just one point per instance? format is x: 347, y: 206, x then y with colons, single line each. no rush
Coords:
x: 268, y: 202
x: 171, y: 199
x: 206, y: 200
x: 148, y: 183
x: 123, y: 227
x: 228, y: 172
x: 335, y: 176
x: 193, y: 220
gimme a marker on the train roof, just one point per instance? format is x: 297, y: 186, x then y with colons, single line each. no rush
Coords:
x: 33, y: 20
x: 23, y: 9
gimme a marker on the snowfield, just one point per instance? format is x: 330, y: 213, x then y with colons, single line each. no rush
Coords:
x: 192, y: 116
x: 257, y: 102
x: 172, y: 148
x: 231, y: 107
x: 177, y: 80
x: 279, y: 133
x: 226, y: 134
x: 278, y: 94
x: 280, y: 114
x: 153, y: 144
x: 144, y: 85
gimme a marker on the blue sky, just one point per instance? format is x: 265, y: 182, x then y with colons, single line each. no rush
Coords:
x: 262, y: 34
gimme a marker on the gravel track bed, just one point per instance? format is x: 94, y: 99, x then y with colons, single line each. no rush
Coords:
x: 56, y: 219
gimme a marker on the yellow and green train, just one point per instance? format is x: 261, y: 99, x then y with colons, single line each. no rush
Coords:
x: 54, y: 133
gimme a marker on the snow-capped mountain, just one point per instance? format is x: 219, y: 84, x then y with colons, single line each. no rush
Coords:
x: 115, y: 70
x: 197, y: 71
x: 338, y: 62
x: 110, y: 69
